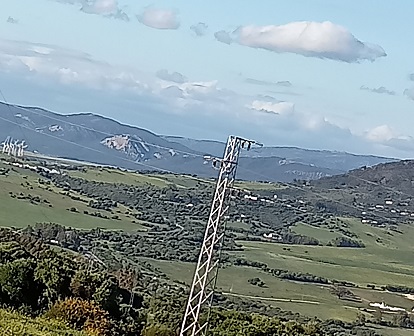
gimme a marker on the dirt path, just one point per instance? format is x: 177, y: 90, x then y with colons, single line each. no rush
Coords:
x: 271, y: 299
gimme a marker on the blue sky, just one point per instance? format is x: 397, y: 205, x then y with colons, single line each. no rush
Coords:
x: 316, y: 74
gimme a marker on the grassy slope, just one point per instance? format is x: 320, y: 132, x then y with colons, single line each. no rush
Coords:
x: 111, y: 175
x: 379, y: 263
x: 305, y: 298
x: 14, y: 324
x: 322, y: 234
x: 387, y: 262
x: 20, y: 213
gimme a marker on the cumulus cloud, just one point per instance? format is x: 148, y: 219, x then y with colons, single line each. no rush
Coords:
x: 12, y: 20
x: 381, y: 90
x: 409, y: 93
x: 175, y: 77
x: 202, y: 102
x: 159, y: 18
x: 200, y: 29
x: 388, y: 137
x: 272, y: 107
x: 106, y: 8
x: 268, y: 83
x: 324, y: 40
x: 65, y: 66
x: 223, y: 37
x: 380, y: 134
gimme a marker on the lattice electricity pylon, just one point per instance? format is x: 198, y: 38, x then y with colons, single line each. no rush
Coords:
x: 204, y: 281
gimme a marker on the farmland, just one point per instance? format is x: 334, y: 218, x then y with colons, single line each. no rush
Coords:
x: 160, y: 218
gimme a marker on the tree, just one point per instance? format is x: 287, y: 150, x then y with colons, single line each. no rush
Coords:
x: 401, y: 319
x: 18, y: 287
x: 340, y: 292
x: 54, y: 272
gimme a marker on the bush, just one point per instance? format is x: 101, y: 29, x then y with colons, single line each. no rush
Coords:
x: 157, y: 330
x: 82, y: 315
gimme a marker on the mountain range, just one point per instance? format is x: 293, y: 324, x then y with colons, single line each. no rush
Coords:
x: 101, y: 140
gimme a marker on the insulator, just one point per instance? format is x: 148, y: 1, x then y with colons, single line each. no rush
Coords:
x: 249, y: 146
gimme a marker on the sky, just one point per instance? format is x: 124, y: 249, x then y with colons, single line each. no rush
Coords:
x: 318, y: 74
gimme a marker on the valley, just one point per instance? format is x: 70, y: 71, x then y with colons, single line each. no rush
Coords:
x: 283, y: 248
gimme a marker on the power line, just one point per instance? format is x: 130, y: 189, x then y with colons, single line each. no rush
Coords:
x: 193, y: 154
x: 90, y: 148
x: 99, y: 131
x: 190, y: 154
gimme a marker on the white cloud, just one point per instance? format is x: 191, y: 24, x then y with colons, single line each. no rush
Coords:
x: 159, y: 18
x: 65, y: 66
x: 387, y: 137
x: 380, y: 134
x: 268, y: 83
x: 271, y: 107
x: 106, y: 8
x: 12, y: 20
x: 186, y: 102
x: 223, y: 37
x: 311, y: 39
x: 175, y: 77
x: 409, y: 93
x: 200, y: 29
x: 381, y: 90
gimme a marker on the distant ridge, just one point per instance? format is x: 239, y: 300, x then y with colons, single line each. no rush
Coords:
x: 93, y: 138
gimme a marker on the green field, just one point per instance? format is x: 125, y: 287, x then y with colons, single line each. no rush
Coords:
x: 111, y: 175
x: 388, y: 262
x: 305, y: 298
x: 258, y: 185
x: 322, y: 234
x: 14, y: 324
x: 21, y: 212
x: 386, y: 259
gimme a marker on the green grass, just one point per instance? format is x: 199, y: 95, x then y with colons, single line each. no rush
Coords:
x: 14, y: 324
x: 387, y: 262
x: 183, y: 181
x: 305, y: 298
x: 322, y: 234
x: 258, y: 185
x: 111, y: 175
x: 359, y: 266
x: 238, y: 225
x: 20, y: 213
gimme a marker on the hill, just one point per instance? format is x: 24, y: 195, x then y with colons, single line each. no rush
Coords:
x: 92, y: 138
x: 297, y: 253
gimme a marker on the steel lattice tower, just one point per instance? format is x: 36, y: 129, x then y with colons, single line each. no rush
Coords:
x: 204, y: 281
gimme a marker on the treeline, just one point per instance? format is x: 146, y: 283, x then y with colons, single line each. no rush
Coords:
x: 346, y: 242
x: 399, y: 289
x: 280, y: 273
x: 169, y: 206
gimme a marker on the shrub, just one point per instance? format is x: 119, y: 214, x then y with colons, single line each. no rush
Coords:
x: 157, y: 330
x: 82, y: 315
